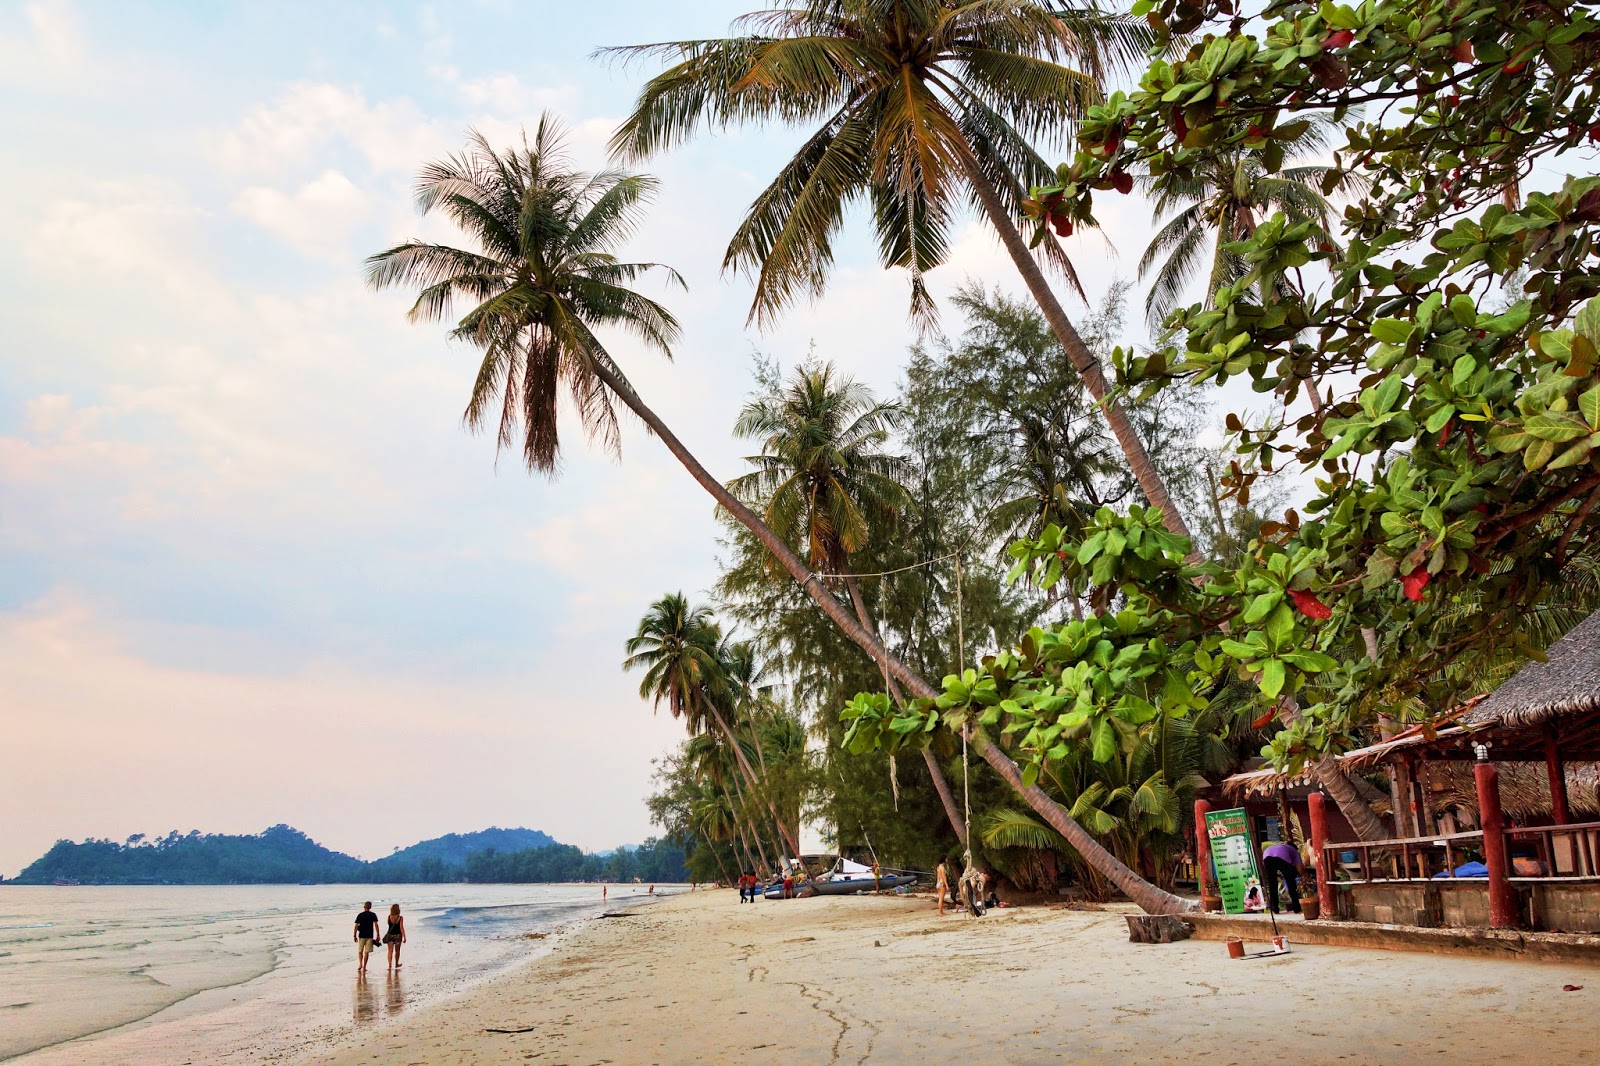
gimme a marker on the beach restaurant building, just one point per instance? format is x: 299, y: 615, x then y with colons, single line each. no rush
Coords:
x: 1493, y: 808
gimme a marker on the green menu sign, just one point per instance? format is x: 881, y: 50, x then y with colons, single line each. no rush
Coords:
x: 1232, y: 857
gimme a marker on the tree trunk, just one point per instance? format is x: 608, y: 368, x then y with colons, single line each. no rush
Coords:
x: 750, y: 777
x: 753, y: 823
x: 1083, y: 360
x: 1357, y: 812
x: 712, y: 845
x: 941, y: 784
x: 1047, y: 808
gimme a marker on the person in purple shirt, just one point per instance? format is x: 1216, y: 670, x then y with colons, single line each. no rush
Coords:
x: 1281, y: 860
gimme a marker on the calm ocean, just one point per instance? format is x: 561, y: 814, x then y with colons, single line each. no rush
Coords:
x: 247, y: 973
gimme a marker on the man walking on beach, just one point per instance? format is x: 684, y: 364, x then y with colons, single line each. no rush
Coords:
x: 365, y: 936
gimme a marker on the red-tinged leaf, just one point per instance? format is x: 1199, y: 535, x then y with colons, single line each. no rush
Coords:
x: 1261, y: 723
x: 1180, y: 128
x: 1338, y: 38
x: 1309, y: 605
x: 1062, y: 225
x: 1330, y: 71
x: 1462, y: 52
x: 1594, y: 133
x: 1444, y: 434
x: 1122, y: 181
x: 1515, y: 68
x: 1414, y: 582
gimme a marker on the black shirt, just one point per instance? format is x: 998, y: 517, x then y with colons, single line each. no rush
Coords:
x: 367, y: 925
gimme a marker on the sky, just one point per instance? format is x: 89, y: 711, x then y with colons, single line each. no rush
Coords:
x: 253, y: 569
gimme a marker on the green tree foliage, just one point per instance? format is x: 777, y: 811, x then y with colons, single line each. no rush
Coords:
x: 1455, y: 476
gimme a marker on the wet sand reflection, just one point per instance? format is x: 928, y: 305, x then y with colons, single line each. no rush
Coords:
x: 393, y: 994
x: 365, y: 1008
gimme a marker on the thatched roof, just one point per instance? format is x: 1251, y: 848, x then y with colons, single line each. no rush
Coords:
x: 1566, y: 683
x: 1524, y: 789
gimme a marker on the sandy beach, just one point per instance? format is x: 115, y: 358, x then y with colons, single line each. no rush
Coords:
x: 702, y: 978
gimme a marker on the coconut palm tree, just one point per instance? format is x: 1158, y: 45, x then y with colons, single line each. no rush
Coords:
x: 1223, y: 203
x: 541, y: 281
x: 825, y: 482
x: 676, y: 645
x: 915, y: 108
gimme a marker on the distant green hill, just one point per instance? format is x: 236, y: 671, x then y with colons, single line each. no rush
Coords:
x: 453, y: 848
x: 285, y: 855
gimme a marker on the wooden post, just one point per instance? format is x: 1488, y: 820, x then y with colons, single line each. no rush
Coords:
x: 1202, y: 851
x: 1558, y: 778
x: 1502, y: 897
x: 1319, y: 848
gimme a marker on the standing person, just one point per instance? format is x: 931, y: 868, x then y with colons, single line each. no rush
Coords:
x: 941, y: 887
x: 395, y: 936
x: 603, y: 890
x: 365, y: 935
x: 1282, y: 860
x: 788, y: 884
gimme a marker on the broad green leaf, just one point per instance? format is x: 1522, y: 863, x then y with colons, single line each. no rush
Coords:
x: 1589, y: 407
x: 1272, y: 678
x: 1393, y: 330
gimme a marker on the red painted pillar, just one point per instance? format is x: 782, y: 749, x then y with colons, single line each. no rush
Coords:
x: 1202, y: 852
x: 1502, y: 897
x: 1558, y: 778
x: 1319, y: 848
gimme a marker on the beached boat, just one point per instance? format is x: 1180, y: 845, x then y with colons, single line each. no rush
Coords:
x: 65, y: 882
x: 845, y: 878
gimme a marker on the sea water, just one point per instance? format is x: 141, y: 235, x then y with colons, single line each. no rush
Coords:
x: 248, y: 972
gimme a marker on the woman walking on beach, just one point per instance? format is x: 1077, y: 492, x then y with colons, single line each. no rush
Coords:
x: 395, y: 936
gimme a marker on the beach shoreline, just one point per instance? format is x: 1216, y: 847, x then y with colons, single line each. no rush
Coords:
x: 701, y: 977
x: 251, y: 974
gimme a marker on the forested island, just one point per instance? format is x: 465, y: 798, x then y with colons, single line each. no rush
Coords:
x: 285, y: 855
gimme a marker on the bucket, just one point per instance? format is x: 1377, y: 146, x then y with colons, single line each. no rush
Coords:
x: 1235, y: 948
x: 1280, y: 944
x: 1311, y: 908
x: 1211, y: 903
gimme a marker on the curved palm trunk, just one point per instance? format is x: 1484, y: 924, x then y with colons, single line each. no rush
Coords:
x: 750, y: 777
x: 721, y: 868
x: 1083, y: 360
x: 941, y: 784
x: 1357, y: 812
x: 755, y: 828
x: 1046, y: 807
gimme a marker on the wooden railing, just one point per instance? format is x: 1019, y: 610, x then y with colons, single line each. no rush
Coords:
x: 1564, y: 852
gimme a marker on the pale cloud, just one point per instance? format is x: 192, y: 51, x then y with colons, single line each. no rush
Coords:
x: 59, y: 33
x: 391, y: 135
x: 139, y: 227
x: 317, y: 218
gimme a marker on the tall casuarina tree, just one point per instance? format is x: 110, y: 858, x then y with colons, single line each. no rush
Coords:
x: 916, y: 108
x: 824, y: 481
x: 540, y: 282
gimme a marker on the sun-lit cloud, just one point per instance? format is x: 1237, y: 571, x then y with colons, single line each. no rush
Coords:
x: 316, y: 218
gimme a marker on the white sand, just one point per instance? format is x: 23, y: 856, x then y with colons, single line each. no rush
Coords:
x: 704, y: 978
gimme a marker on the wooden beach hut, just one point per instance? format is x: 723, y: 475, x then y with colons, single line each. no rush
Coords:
x: 1495, y: 808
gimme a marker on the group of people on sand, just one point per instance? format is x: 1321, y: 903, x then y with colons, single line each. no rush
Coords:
x: 366, y: 936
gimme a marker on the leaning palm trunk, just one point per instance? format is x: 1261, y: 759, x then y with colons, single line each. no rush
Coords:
x: 941, y: 784
x: 1083, y: 360
x: 750, y: 778
x: 756, y: 828
x: 1146, y: 895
